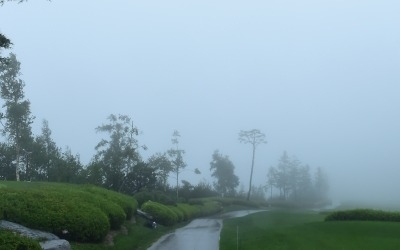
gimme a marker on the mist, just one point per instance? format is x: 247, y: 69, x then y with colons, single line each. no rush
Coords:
x: 319, y: 78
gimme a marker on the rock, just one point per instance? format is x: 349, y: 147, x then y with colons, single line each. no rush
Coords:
x: 49, y: 241
x: 55, y: 245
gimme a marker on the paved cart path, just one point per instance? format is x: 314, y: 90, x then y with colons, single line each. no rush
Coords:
x: 199, y: 234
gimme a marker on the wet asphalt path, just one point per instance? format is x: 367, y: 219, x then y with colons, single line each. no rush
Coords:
x: 199, y: 234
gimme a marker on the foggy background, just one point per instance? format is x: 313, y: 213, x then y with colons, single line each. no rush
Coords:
x: 319, y: 78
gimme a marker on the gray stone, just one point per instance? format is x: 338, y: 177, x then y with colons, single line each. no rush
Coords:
x: 55, y: 245
x: 49, y: 241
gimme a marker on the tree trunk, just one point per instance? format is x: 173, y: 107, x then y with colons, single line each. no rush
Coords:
x: 177, y: 183
x: 17, y: 163
x: 251, y: 174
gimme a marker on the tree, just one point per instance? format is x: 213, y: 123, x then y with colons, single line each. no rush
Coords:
x: 46, y: 155
x: 17, y: 116
x: 68, y: 168
x: 272, y: 179
x: 7, y: 170
x: 5, y: 43
x: 321, y: 186
x: 162, y: 166
x: 176, y: 156
x: 141, y: 177
x: 19, y: 1
x: 284, y: 175
x: 253, y: 137
x: 223, y: 170
x: 119, y: 153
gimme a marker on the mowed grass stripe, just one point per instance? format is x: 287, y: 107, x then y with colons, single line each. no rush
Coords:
x: 280, y: 229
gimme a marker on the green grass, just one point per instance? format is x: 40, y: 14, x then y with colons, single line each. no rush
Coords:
x: 139, y: 237
x: 280, y: 229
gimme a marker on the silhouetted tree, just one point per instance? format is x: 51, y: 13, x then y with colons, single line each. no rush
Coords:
x: 17, y: 116
x: 5, y: 43
x: 223, y: 170
x: 162, y: 167
x: 119, y: 153
x: 45, y: 156
x: 176, y: 155
x: 295, y: 183
x: 321, y: 185
x: 253, y: 137
x: 7, y: 169
x: 142, y: 176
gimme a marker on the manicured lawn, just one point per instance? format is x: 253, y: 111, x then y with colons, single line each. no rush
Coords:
x: 284, y: 229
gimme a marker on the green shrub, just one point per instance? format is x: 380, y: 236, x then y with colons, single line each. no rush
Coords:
x: 189, y: 211
x: 363, y: 215
x: 179, y: 213
x: 127, y: 203
x: 114, y: 212
x: 54, y: 212
x: 211, y: 207
x: 12, y: 241
x: 156, y: 196
x: 161, y: 213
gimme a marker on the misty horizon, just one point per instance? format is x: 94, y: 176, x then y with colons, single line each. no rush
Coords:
x: 320, y: 80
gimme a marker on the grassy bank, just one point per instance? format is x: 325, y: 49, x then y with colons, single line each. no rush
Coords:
x: 285, y: 229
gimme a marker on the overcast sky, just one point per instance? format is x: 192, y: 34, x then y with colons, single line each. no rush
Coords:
x: 321, y: 78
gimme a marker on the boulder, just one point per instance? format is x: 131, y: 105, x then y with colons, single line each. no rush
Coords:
x: 55, y: 245
x: 49, y: 241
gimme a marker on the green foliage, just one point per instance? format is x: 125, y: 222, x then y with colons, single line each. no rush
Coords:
x: 178, y: 212
x: 162, y: 214
x: 156, y: 196
x: 12, y: 241
x: 363, y: 215
x: 86, y: 212
x: 54, y: 212
x: 127, y: 203
x: 118, y: 153
x: 223, y: 170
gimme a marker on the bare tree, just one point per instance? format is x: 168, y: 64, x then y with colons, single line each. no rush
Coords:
x: 253, y: 137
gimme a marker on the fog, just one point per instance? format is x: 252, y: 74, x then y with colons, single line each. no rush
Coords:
x: 320, y: 78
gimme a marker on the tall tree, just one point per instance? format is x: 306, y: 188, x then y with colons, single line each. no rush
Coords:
x: 284, y: 171
x: 141, y: 177
x: 7, y: 170
x: 17, y: 116
x: 223, y: 170
x: 119, y: 153
x: 46, y: 155
x: 321, y: 185
x: 253, y: 137
x: 176, y: 155
x: 162, y: 167
x: 5, y: 43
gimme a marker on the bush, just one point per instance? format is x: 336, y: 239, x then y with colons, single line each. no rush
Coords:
x: 12, y: 241
x: 179, y: 213
x: 363, y: 215
x: 54, y: 212
x: 189, y: 211
x: 114, y: 212
x: 127, y: 203
x: 161, y: 213
x: 157, y: 196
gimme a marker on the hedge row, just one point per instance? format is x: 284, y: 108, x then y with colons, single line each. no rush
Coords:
x: 169, y: 215
x: 11, y: 241
x: 156, y: 196
x: 55, y: 213
x: 363, y: 215
x: 86, y: 213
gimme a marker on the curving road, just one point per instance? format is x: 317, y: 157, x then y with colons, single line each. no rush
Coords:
x: 199, y: 234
